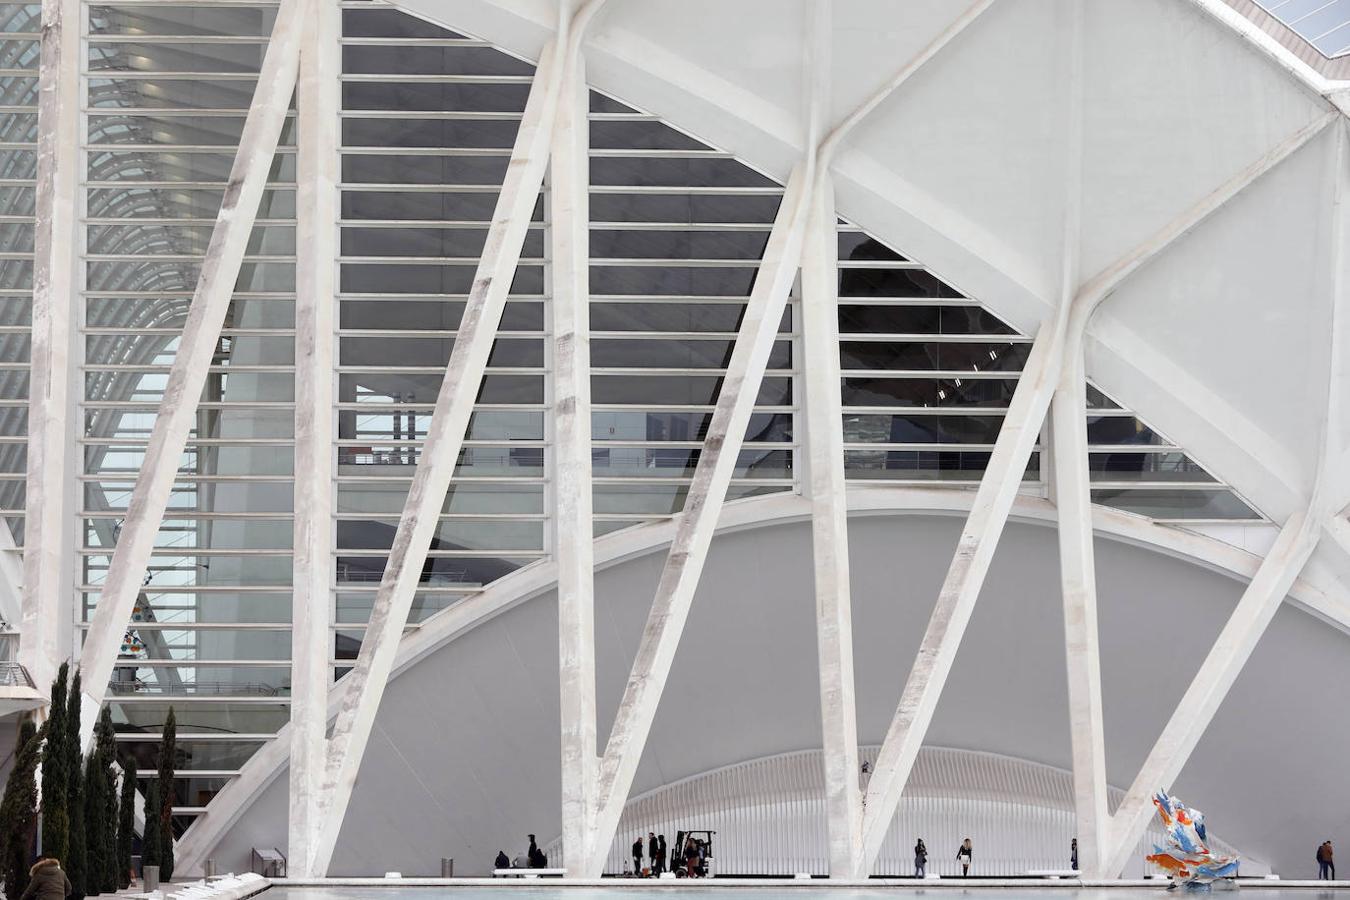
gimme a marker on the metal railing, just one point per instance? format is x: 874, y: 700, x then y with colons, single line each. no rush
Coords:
x: 198, y: 688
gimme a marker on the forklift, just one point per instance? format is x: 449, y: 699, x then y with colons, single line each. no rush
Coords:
x: 703, y: 865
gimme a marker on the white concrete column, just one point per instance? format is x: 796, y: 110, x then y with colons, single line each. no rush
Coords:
x: 569, y: 238
x: 318, y: 104
x: 829, y: 532
x: 51, y: 526
x: 1064, y: 465
x: 1073, y: 500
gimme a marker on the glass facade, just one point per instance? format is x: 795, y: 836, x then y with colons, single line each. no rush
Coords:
x: 427, y: 122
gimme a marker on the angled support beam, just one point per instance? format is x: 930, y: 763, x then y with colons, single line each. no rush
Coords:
x: 317, y: 167
x: 569, y: 244
x: 445, y: 433
x: 50, y: 528
x: 187, y: 377
x: 693, y: 533
x: 1274, y: 578
x: 956, y: 601
x: 1220, y: 669
x: 1057, y: 341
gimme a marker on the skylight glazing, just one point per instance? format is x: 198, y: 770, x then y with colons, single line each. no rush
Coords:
x: 1325, y: 24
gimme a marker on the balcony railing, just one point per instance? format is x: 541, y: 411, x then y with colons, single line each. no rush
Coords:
x: 199, y: 688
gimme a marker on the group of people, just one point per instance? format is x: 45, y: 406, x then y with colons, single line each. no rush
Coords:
x: 964, y: 854
x: 534, y: 858
x: 691, y: 861
x: 655, y: 854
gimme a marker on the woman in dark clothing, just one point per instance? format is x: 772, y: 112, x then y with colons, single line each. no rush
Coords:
x: 49, y: 881
x: 1073, y: 854
x: 920, y: 859
x: 691, y: 857
x: 964, y: 853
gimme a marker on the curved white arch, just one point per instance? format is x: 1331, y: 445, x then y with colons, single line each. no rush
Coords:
x: 770, y: 814
x: 1314, y: 593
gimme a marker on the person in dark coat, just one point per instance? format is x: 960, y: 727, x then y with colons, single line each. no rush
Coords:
x: 659, y: 857
x: 503, y: 861
x: 1073, y: 854
x: 637, y: 857
x: 49, y: 881
x: 536, y: 856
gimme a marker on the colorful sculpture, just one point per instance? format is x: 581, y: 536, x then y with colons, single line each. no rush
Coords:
x: 1189, y: 859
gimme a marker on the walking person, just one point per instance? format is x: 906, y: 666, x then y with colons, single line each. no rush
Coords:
x: 1073, y: 854
x: 637, y: 857
x: 920, y: 860
x: 49, y: 881
x: 964, y: 853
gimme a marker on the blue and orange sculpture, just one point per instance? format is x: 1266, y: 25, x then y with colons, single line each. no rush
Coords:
x: 1188, y: 859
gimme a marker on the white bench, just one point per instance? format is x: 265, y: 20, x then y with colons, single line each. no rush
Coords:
x: 1053, y: 873
x: 528, y: 873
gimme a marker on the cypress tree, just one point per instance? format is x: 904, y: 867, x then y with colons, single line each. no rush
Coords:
x: 150, y: 844
x: 94, y: 826
x: 126, y: 822
x: 75, y: 865
x: 100, y: 809
x: 168, y: 752
x: 55, y: 777
x: 109, y: 769
x: 18, y: 810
